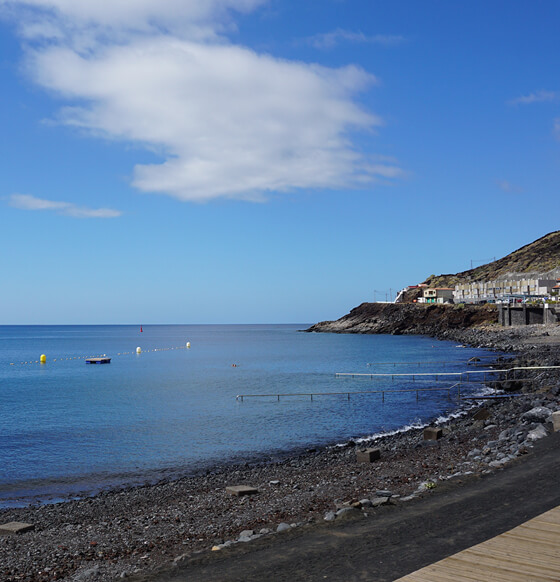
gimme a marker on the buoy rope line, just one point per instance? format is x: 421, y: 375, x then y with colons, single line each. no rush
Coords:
x: 64, y: 359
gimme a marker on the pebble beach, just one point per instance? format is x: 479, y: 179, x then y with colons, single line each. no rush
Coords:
x: 124, y: 533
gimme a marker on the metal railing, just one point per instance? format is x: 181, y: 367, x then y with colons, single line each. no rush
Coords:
x: 448, y: 389
x: 241, y: 397
x: 415, y: 375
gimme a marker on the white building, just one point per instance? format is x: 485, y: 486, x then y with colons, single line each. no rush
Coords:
x: 497, y: 290
x: 437, y: 295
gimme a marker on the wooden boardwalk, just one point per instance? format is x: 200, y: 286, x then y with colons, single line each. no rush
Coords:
x: 527, y: 553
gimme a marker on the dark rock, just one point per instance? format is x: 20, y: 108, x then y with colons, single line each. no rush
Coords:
x: 537, y: 414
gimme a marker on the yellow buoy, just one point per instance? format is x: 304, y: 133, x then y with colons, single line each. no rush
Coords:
x: 43, y: 359
x: 188, y: 344
x: 138, y: 350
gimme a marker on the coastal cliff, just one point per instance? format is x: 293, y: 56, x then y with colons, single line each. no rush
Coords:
x: 461, y: 322
x: 400, y: 318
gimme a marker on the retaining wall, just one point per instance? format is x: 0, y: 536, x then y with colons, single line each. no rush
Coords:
x: 526, y: 315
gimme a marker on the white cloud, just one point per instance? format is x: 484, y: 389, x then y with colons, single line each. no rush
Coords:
x: 227, y: 121
x: 331, y: 39
x: 536, y: 97
x: 28, y: 202
x: 179, y: 17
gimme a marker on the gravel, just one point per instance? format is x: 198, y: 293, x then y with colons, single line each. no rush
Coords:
x: 118, y: 533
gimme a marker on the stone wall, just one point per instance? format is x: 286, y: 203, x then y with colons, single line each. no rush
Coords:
x: 526, y: 315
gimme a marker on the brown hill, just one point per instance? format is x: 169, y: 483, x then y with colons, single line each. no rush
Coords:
x: 541, y: 257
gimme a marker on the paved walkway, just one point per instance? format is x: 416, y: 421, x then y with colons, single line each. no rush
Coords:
x: 530, y: 551
x: 395, y: 541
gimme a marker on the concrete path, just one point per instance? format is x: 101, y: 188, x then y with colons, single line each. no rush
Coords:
x: 394, y: 540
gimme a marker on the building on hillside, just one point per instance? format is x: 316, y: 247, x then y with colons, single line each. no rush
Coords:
x: 401, y: 295
x: 498, y: 291
x: 437, y: 295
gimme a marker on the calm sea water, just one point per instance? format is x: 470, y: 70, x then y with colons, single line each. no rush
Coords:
x: 68, y: 428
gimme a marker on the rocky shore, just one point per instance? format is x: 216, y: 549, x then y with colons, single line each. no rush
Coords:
x: 410, y: 318
x: 121, y: 534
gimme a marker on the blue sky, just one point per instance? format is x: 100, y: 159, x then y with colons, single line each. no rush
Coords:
x: 266, y: 161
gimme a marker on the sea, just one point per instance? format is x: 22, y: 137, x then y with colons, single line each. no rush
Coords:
x: 162, y: 410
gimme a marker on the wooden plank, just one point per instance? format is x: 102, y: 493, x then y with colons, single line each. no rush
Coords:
x: 549, y: 517
x: 541, y: 524
x: 457, y: 573
x: 513, y: 555
x: 506, y: 552
x: 446, y: 572
x: 525, y: 539
x: 527, y: 565
x: 528, y: 537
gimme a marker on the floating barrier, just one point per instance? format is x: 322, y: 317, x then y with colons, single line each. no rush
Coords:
x: 43, y: 358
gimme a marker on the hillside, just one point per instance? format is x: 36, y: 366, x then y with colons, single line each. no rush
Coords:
x: 541, y: 257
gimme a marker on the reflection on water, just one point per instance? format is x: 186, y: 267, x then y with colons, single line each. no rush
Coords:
x: 69, y: 427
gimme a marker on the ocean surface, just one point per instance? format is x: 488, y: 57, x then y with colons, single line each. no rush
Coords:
x: 69, y: 428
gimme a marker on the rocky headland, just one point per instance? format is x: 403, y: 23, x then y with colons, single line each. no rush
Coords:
x: 435, y: 320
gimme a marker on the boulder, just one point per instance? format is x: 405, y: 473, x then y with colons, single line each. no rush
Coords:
x: 383, y: 493
x: 554, y: 421
x: 432, y: 433
x: 347, y: 512
x: 537, y: 433
x: 537, y: 414
x: 368, y: 455
x: 481, y: 414
x: 15, y: 528
x: 239, y: 490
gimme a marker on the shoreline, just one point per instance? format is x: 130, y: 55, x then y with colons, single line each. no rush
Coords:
x: 120, y: 533
x: 80, y: 491
x: 63, y: 488
x: 36, y: 492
